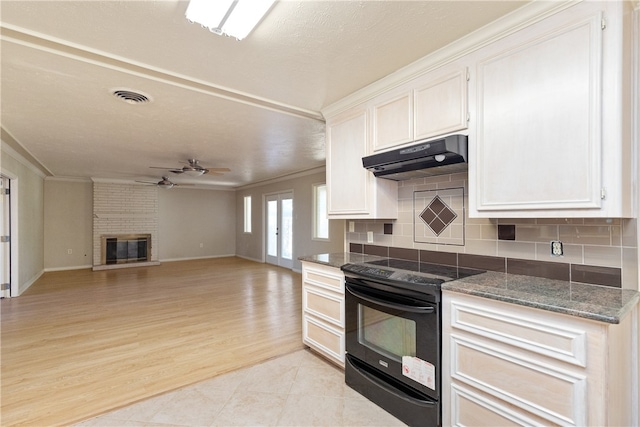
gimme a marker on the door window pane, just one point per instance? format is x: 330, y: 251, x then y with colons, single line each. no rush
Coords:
x: 247, y: 214
x: 272, y: 228
x: 287, y: 228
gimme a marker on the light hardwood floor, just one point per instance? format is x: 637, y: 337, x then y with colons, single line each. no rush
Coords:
x: 80, y: 343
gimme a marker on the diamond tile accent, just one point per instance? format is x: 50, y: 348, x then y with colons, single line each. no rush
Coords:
x: 437, y: 215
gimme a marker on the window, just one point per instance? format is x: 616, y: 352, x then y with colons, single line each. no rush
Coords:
x: 247, y: 214
x: 320, y: 220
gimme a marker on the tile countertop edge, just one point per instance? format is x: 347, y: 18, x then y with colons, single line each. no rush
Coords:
x: 570, y: 298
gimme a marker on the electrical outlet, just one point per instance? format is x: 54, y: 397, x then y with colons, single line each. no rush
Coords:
x: 69, y: 251
x: 556, y: 248
x: 201, y: 244
x: 352, y: 226
x: 369, y: 236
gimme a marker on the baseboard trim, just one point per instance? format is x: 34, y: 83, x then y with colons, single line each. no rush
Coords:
x: 22, y: 287
x: 75, y: 267
x: 196, y: 258
x: 250, y: 259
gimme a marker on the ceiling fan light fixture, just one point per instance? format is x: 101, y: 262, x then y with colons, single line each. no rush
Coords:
x: 193, y: 172
x: 235, y: 18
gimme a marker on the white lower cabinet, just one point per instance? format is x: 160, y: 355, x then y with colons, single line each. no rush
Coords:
x: 505, y: 364
x: 323, y: 310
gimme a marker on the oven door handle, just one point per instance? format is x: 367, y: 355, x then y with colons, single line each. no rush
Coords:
x: 410, y: 308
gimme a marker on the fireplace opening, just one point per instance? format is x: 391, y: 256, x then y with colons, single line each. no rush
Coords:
x: 119, y: 249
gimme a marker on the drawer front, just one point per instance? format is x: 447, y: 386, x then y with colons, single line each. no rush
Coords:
x: 552, y: 393
x: 549, y: 339
x: 325, y: 277
x: 323, y: 338
x: 325, y: 305
x: 472, y: 409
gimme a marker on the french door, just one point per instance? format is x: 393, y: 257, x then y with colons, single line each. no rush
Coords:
x: 279, y: 229
x: 5, y: 237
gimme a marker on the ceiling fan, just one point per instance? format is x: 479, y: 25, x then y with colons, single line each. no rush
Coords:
x: 165, y: 183
x: 194, y: 168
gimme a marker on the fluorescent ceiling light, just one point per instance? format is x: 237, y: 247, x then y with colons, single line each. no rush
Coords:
x: 235, y: 18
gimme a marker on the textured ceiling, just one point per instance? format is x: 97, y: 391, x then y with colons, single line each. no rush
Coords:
x: 252, y: 105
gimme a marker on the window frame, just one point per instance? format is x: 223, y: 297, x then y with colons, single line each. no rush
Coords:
x: 247, y: 214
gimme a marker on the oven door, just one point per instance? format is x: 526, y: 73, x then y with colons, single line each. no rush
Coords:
x: 397, y: 334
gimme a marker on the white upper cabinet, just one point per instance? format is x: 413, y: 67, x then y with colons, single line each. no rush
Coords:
x: 392, y: 116
x: 428, y: 106
x: 550, y: 138
x: 440, y: 103
x: 353, y: 191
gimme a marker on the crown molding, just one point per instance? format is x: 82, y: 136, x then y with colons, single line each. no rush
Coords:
x: 78, y: 52
x: 11, y: 146
x: 320, y: 169
x: 67, y: 179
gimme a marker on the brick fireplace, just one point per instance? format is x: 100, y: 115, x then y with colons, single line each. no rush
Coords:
x: 125, y: 224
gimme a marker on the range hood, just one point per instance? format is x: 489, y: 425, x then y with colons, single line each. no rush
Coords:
x: 425, y: 158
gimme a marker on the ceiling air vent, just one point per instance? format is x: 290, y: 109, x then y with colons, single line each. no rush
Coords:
x: 131, y: 97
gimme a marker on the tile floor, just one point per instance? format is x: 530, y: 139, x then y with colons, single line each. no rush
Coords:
x: 299, y: 389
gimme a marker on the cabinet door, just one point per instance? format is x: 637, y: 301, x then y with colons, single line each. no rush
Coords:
x: 440, y: 105
x: 347, y: 180
x: 392, y: 118
x: 539, y: 119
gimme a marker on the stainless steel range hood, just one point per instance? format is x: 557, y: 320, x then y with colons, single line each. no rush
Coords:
x: 425, y: 158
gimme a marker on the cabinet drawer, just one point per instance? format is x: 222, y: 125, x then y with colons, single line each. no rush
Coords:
x: 553, y: 340
x: 325, y: 277
x: 555, y: 394
x: 323, y: 338
x: 326, y: 305
x: 473, y: 409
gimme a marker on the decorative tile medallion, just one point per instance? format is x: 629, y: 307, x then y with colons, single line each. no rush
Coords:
x: 439, y: 216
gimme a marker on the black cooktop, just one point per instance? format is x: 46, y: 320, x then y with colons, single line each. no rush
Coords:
x: 399, y: 270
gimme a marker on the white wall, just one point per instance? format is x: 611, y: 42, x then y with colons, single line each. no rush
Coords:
x: 67, y: 224
x: 189, y: 218
x: 251, y: 245
x: 30, y: 184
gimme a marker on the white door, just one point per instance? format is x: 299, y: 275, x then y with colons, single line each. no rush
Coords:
x: 5, y: 237
x: 279, y: 229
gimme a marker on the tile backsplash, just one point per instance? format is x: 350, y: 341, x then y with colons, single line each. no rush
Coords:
x: 605, y: 242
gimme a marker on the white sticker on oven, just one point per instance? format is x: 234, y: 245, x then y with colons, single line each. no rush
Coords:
x: 419, y: 370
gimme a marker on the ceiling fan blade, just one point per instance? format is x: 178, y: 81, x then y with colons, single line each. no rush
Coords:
x: 147, y: 182
x: 219, y: 169
x: 174, y: 170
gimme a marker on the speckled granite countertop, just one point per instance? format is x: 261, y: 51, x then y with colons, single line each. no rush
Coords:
x: 600, y: 303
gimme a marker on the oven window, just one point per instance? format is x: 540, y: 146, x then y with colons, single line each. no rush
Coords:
x: 392, y: 336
